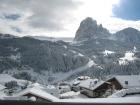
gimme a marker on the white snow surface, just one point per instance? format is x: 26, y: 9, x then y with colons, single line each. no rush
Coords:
x: 129, y: 56
x: 69, y: 94
x: 35, y: 90
x: 65, y: 46
x: 125, y: 92
x: 57, y: 77
x: 62, y: 76
x: 2, y: 87
x: 107, y: 52
x: 2, y: 95
x: 103, y: 100
x: 73, y: 95
x: 15, y: 57
x: 133, y: 80
x: 79, y: 54
x: 134, y: 49
x: 4, y: 78
x: 92, y: 86
x: 73, y: 51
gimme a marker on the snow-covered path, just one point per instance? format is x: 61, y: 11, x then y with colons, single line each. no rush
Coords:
x: 64, y: 76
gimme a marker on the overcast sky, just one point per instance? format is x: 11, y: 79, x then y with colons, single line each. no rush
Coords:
x: 61, y: 18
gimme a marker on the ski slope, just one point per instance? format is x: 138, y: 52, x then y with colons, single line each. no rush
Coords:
x: 63, y: 76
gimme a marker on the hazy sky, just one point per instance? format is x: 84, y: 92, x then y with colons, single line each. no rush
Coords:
x: 61, y: 18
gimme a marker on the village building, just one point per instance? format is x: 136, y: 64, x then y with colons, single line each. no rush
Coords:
x: 125, y: 81
x: 36, y: 94
x: 49, y: 88
x: 52, y: 90
x: 95, y: 89
x: 88, y: 87
x: 110, y: 86
x: 64, y: 87
x: 75, y: 85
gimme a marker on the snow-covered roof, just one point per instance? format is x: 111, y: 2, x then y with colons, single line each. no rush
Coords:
x: 2, y: 87
x: 133, y: 80
x: 69, y: 94
x: 38, y: 92
x: 86, y: 83
x: 83, y: 77
x: 37, y: 85
x: 124, y: 92
x: 89, y: 84
x: 72, y: 94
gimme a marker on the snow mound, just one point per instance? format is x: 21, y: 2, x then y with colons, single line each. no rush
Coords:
x: 124, y: 92
x: 69, y: 94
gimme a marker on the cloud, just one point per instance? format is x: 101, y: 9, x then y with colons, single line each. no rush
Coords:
x: 127, y: 9
x: 49, y: 15
x: 11, y: 16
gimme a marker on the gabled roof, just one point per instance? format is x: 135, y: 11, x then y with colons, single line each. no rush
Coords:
x: 38, y: 92
x: 133, y: 80
x: 86, y: 84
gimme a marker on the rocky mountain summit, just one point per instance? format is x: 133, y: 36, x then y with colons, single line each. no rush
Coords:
x: 129, y: 34
x: 89, y: 29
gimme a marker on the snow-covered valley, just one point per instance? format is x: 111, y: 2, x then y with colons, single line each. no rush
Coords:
x: 71, y: 71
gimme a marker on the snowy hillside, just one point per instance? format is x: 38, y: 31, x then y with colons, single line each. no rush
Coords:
x: 94, y: 52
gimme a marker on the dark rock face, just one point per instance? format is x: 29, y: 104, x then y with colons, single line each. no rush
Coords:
x: 89, y: 29
x: 129, y: 35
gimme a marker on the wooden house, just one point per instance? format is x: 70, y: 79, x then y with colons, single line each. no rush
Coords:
x: 108, y: 87
x: 98, y: 90
x: 125, y: 81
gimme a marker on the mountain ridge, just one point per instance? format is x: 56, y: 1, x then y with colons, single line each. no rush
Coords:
x: 95, y: 54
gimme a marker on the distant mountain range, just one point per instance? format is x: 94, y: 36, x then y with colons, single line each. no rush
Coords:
x: 94, y: 52
x: 65, y: 39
